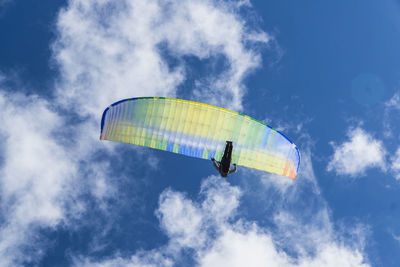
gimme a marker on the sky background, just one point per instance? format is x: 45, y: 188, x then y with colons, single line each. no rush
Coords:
x: 324, y: 73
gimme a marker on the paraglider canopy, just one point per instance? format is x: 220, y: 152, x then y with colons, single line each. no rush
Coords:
x: 199, y: 130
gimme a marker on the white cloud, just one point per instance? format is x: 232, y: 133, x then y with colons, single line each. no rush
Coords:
x: 255, y: 248
x: 393, y: 104
x: 186, y: 222
x: 44, y: 171
x: 361, y: 152
x: 180, y: 218
x: 395, y: 164
x: 218, y: 238
x: 35, y: 172
x: 214, y: 230
x: 334, y: 255
x: 109, y: 50
x: 250, y: 247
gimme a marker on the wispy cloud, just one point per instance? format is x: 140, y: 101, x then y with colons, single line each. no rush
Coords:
x: 396, y: 237
x: 395, y: 164
x: 212, y: 232
x: 392, y: 105
x: 113, y: 50
x: 394, y: 102
x: 356, y: 155
x: 35, y: 172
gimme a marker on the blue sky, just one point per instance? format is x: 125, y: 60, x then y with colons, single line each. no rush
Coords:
x: 324, y: 73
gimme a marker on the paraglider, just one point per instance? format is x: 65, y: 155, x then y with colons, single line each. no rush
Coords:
x: 202, y: 131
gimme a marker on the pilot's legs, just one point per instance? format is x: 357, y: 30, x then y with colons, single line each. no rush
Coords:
x: 228, y: 150
x: 226, y: 158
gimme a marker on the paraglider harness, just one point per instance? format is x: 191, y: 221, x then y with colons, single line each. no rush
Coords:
x: 223, y: 167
